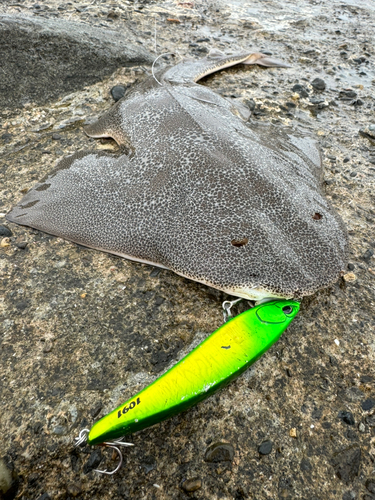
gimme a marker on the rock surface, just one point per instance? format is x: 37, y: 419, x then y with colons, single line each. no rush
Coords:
x: 42, y: 59
x: 81, y: 331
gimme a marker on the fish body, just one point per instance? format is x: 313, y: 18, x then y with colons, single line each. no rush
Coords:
x: 197, y: 190
x: 218, y: 360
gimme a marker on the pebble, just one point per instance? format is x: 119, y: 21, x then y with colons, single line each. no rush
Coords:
x: 74, y: 489
x: 362, y: 427
x: 219, y: 452
x: 193, y: 484
x: 318, y: 84
x: 349, y: 277
x: 293, y: 432
x: 368, y: 404
x: 351, y: 266
x: 265, y: 448
x: 118, y: 92
x: 367, y: 255
x: 4, y: 231
x: 301, y: 90
x: 347, y: 417
x: 59, y: 430
x: 347, y: 94
x: 8, y: 480
x: 5, y: 242
x: 22, y: 245
x: 346, y: 463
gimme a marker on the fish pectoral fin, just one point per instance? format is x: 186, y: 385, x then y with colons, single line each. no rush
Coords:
x: 265, y: 60
x: 110, y: 125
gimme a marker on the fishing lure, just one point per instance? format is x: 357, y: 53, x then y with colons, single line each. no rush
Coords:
x: 218, y: 360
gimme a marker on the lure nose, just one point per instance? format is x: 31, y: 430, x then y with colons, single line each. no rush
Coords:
x: 277, y: 313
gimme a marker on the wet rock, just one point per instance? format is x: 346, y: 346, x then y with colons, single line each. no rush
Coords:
x: 193, y: 484
x: 346, y: 463
x: 301, y: 90
x: 44, y: 58
x: 368, y: 404
x: 318, y: 84
x: 8, y: 479
x: 92, y: 463
x: 219, y: 452
x: 22, y: 245
x: 118, y: 92
x: 4, y: 231
x: 347, y: 417
x: 367, y: 255
x: 265, y: 448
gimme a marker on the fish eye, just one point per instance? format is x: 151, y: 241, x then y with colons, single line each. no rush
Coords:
x: 287, y: 309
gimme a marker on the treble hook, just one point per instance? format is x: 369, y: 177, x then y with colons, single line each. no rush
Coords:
x: 114, y: 446
x: 82, y: 438
x: 227, y: 305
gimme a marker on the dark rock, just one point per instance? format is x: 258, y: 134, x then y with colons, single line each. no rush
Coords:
x: 370, y: 484
x: 94, y: 460
x: 346, y: 160
x: 347, y: 94
x: 318, y: 84
x: 118, y: 92
x: 367, y: 255
x: 45, y: 496
x: 346, y: 417
x: 265, y: 448
x: 193, y: 484
x: 351, y: 267
x: 302, y: 91
x: 4, y: 231
x: 346, y: 463
x: 45, y: 58
x: 219, y: 452
x: 22, y: 245
x: 250, y: 103
x: 368, y: 404
x: 8, y: 479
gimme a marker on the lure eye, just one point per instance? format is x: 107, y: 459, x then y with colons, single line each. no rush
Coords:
x: 287, y: 309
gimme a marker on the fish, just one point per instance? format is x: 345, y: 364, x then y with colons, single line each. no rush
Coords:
x: 197, y: 190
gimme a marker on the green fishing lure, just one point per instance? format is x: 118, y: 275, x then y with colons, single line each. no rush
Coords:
x: 218, y: 360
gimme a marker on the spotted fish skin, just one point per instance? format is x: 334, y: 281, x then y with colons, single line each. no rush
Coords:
x: 236, y: 206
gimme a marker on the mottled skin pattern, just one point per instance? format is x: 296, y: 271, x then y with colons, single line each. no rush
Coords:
x: 198, y: 191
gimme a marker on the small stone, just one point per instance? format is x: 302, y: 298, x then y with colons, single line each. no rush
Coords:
x: 318, y: 84
x: 219, y: 452
x: 47, y: 347
x: 301, y: 90
x: 22, y: 245
x: 362, y: 427
x: 349, y: 277
x: 370, y: 485
x: 8, y: 480
x: 74, y: 489
x: 56, y: 137
x: 59, y: 430
x: 347, y: 94
x: 346, y: 463
x: 5, y: 242
x: 345, y: 160
x: 353, y: 174
x: 293, y: 432
x: 265, y: 448
x: 347, y: 417
x: 351, y: 267
x: 4, y: 231
x: 92, y: 463
x: 118, y: 92
x: 368, y: 404
x: 193, y: 484
x: 367, y: 255
x: 96, y: 410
